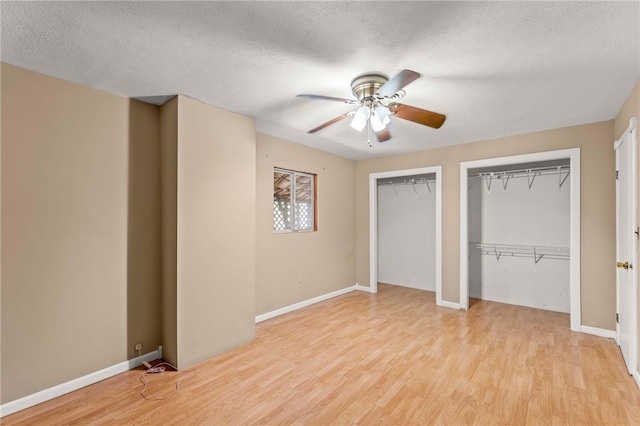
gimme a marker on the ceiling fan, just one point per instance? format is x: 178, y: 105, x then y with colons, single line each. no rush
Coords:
x: 377, y: 96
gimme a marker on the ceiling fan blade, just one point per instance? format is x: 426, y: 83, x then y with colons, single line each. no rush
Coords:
x: 392, y: 86
x: 330, y: 98
x: 330, y: 122
x: 417, y: 115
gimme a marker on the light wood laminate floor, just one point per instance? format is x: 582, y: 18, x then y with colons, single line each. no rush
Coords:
x: 389, y: 358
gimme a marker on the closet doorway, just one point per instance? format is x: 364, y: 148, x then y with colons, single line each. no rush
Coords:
x: 520, y: 231
x: 406, y: 202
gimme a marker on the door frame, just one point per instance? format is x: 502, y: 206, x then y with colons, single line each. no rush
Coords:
x: 633, y: 327
x: 573, y: 154
x: 373, y: 223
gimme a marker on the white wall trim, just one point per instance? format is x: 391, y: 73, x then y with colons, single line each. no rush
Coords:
x: 75, y: 384
x: 573, y: 154
x: 304, y: 303
x: 600, y: 332
x: 363, y: 288
x: 447, y: 304
x: 636, y: 376
x: 373, y: 224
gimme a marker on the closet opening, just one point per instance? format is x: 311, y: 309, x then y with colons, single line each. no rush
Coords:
x: 520, y: 231
x: 405, y: 229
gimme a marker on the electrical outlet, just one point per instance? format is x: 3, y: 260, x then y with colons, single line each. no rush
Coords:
x: 300, y: 279
x: 138, y: 346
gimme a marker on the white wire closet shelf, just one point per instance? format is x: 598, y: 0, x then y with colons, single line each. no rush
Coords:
x: 530, y: 173
x: 408, y: 181
x: 520, y: 250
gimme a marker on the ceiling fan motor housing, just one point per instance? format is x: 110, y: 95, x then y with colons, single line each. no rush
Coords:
x: 366, y: 85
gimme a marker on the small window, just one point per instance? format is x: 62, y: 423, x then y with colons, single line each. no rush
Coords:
x: 295, y: 213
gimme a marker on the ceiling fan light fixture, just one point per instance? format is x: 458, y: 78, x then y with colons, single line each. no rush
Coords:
x: 376, y: 123
x: 383, y: 114
x: 360, y: 118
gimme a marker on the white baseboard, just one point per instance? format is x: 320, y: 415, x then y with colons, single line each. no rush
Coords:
x: 304, y: 303
x: 363, y: 288
x: 601, y: 332
x: 447, y: 304
x: 636, y: 375
x: 75, y: 384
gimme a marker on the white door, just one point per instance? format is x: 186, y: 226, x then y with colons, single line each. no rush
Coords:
x: 626, y: 242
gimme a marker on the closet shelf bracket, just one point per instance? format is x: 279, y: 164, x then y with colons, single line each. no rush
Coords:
x: 393, y: 187
x: 531, y: 176
x: 561, y: 180
x: 505, y: 180
x: 536, y: 257
x: 488, y: 180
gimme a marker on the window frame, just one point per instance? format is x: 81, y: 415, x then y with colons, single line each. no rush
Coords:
x: 293, y: 190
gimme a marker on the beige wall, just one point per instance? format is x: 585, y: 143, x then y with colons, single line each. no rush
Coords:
x: 326, y: 258
x: 630, y: 108
x: 1, y: 107
x: 143, y: 252
x: 597, y: 206
x: 99, y: 193
x: 65, y: 219
x: 216, y: 238
x: 169, y: 228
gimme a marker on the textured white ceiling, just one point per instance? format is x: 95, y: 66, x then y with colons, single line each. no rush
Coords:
x: 494, y: 68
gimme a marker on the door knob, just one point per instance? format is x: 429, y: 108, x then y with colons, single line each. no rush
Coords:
x: 625, y: 265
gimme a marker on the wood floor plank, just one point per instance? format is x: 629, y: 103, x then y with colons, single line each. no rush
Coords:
x: 388, y: 358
